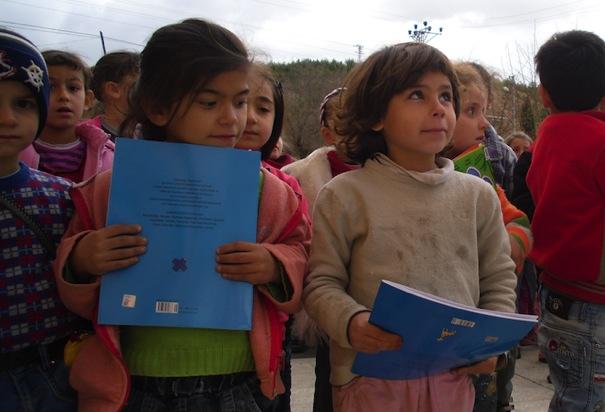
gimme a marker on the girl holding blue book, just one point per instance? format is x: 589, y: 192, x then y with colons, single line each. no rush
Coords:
x: 192, y: 89
x: 404, y: 216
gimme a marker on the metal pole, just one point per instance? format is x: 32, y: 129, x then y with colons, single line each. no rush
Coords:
x: 103, y: 42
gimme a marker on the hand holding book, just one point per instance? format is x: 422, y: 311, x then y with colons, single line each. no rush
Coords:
x: 107, y: 249
x: 367, y: 338
x: 247, y: 262
x: 440, y: 335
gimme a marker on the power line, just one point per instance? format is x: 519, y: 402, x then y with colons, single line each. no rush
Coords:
x: 534, y: 19
x: 37, y: 6
x: 537, y: 11
x: 34, y: 27
x: 344, y: 53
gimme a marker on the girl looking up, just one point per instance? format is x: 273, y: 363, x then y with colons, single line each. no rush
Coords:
x: 151, y: 368
x: 404, y: 216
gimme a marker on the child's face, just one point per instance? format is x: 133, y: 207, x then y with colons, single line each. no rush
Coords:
x: 216, y: 117
x: 519, y: 146
x: 471, y: 125
x: 68, y: 97
x: 419, y: 122
x: 19, y: 118
x: 261, y: 115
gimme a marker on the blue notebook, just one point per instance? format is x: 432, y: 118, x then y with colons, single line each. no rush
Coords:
x: 438, y: 334
x: 189, y: 200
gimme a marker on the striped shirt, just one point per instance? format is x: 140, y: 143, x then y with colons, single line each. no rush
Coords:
x: 59, y: 159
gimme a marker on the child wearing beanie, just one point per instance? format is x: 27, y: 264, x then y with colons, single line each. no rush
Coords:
x: 35, y: 209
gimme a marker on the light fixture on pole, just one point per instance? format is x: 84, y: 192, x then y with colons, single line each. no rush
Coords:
x: 425, y: 33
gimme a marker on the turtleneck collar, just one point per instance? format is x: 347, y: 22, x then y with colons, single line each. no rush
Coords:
x: 444, y: 168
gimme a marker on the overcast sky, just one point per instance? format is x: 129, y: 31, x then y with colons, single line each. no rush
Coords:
x: 501, y: 34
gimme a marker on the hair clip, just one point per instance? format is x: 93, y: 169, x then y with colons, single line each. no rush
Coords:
x: 322, y: 107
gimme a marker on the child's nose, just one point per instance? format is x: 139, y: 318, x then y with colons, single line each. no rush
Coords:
x: 61, y: 92
x: 7, y: 116
x: 228, y: 115
x: 483, y: 122
x: 438, y: 108
x: 251, y: 117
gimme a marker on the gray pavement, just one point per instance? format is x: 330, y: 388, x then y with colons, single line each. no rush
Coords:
x: 531, y: 390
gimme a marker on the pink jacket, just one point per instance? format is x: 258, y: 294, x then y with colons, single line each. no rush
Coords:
x: 99, y: 373
x: 99, y: 151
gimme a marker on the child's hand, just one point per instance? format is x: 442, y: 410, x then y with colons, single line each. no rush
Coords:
x: 480, y: 368
x: 365, y: 337
x: 247, y: 262
x: 108, y: 249
x: 516, y: 254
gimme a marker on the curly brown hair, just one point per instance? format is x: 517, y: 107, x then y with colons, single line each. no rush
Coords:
x: 372, y: 84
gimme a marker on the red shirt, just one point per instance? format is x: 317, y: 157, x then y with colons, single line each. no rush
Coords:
x: 567, y: 182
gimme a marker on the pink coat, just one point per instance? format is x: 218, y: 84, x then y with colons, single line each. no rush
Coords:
x: 99, y: 373
x: 99, y: 151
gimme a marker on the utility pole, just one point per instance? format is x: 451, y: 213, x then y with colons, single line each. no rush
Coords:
x: 359, y: 51
x: 424, y: 34
x: 103, y: 43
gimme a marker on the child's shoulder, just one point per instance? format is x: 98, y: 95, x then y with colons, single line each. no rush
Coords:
x: 274, y: 186
x: 48, y: 181
x: 318, y: 156
x: 93, y: 135
x: 594, y: 120
x: 100, y: 182
x: 470, y: 182
x: 46, y: 193
x: 473, y: 189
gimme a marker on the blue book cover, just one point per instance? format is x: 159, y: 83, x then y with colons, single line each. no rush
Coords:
x: 189, y: 200
x: 438, y: 334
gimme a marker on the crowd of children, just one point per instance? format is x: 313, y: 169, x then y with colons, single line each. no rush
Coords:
x: 383, y: 200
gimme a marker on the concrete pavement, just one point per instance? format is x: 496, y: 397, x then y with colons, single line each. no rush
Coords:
x: 531, y: 390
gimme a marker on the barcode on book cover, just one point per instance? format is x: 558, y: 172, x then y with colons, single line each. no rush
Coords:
x: 166, y: 307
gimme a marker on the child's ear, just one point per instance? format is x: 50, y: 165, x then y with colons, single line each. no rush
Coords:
x: 326, y: 133
x: 378, y: 127
x: 601, y: 106
x: 545, y: 97
x: 112, y: 90
x: 89, y: 99
x: 159, y: 116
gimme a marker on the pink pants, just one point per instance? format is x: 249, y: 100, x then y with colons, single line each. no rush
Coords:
x: 445, y: 392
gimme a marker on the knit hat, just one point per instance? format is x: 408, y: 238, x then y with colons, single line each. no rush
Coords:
x: 20, y: 60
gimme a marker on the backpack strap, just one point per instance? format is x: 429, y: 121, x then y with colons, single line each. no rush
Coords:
x: 47, y: 242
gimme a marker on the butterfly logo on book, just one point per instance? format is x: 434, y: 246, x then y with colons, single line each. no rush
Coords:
x: 179, y: 265
x: 445, y: 333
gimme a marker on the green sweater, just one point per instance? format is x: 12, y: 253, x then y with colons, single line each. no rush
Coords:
x: 179, y: 352
x: 155, y: 351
